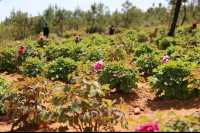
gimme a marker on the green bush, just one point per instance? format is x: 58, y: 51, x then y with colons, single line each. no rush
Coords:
x: 142, y: 49
x: 170, y: 80
x: 86, y: 109
x: 193, y: 55
x: 97, y: 39
x: 164, y: 42
x: 119, y: 77
x: 55, y: 51
x: 3, y: 89
x: 60, y: 68
x: 141, y: 37
x: 32, y: 67
x: 130, y: 34
x: 8, y: 60
x: 95, y: 54
x: 42, y: 43
x: 190, y: 123
x: 117, y: 54
x: 170, y: 50
x: 187, y: 54
x: 77, y: 52
x: 178, y: 53
x: 26, y: 103
x: 146, y: 63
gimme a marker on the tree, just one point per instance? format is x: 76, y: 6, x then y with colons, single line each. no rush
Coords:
x: 184, y: 12
x: 59, y: 21
x: 19, y: 25
x: 126, y: 8
x: 175, y: 17
x: 49, y: 15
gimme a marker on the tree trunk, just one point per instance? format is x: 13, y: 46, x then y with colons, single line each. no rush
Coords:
x: 175, y: 18
x: 185, y: 14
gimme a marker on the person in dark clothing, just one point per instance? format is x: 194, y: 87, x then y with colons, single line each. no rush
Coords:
x: 193, y: 27
x: 46, y: 31
x: 111, y: 30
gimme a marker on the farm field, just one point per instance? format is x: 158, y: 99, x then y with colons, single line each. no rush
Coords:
x: 61, y: 70
x: 135, y: 69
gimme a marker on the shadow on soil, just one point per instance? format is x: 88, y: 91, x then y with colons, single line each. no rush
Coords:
x: 163, y: 104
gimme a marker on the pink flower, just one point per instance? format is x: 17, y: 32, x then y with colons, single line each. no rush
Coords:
x: 98, y: 65
x: 150, y: 127
x: 165, y: 59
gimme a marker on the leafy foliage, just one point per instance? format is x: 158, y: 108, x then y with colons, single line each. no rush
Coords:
x: 8, y: 60
x: 32, y: 67
x: 142, y: 37
x: 3, y: 90
x: 170, y: 80
x: 164, y: 42
x: 117, y: 54
x: 119, y: 76
x: 26, y: 102
x: 86, y: 110
x: 60, y: 68
x: 189, y: 123
x: 95, y: 54
x: 147, y: 63
x: 54, y: 51
x: 142, y: 49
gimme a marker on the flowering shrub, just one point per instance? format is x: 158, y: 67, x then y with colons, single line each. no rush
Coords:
x: 77, y: 38
x: 22, y: 54
x: 32, y: 67
x: 42, y: 40
x: 170, y: 80
x: 60, y: 68
x: 147, y: 63
x: 21, y: 51
x: 165, y: 59
x: 150, y: 127
x: 118, y: 76
x: 98, y: 65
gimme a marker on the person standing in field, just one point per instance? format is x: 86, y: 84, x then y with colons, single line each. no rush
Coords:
x: 46, y: 30
x: 111, y: 30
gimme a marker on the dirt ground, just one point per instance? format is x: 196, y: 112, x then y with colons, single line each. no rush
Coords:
x: 139, y: 106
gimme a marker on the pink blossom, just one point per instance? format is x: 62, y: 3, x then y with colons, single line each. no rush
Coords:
x: 98, y: 65
x: 150, y: 127
x: 165, y: 59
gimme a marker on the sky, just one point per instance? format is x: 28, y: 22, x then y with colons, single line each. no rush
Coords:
x: 35, y: 7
